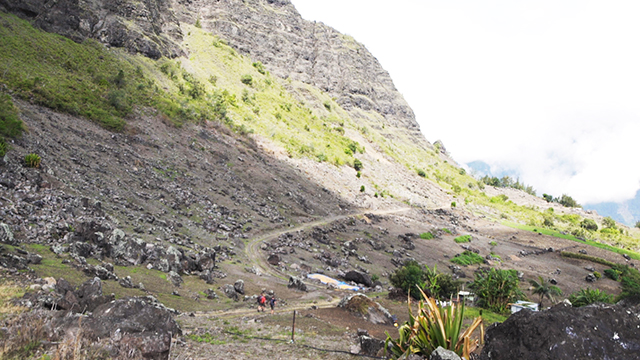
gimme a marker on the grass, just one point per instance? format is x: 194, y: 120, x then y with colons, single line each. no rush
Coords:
x: 467, y: 258
x: 488, y: 316
x: 558, y: 234
x: 10, y: 123
x: 588, y: 258
x: 463, y: 239
x: 9, y: 291
x: 427, y: 236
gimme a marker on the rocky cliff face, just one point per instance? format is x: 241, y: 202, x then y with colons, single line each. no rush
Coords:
x: 271, y: 31
x: 149, y: 27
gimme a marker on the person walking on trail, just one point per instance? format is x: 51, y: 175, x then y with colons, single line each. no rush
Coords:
x: 262, y: 302
x: 272, y: 303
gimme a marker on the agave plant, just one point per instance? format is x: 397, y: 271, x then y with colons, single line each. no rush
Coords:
x: 431, y: 327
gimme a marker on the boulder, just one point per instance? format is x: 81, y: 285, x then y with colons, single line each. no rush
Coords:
x: 274, y: 259
x: 230, y: 291
x: 238, y: 286
x: 361, y: 306
x: 443, y: 354
x: 370, y: 345
x: 6, y: 235
x: 565, y: 332
x: 175, y: 278
x: 359, y: 278
x: 296, y: 283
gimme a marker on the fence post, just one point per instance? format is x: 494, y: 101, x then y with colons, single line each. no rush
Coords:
x: 293, y: 327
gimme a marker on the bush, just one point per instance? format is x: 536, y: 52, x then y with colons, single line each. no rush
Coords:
x: 597, y: 275
x: 612, y: 274
x: 548, y: 198
x: 409, y: 278
x: 246, y: 79
x: 588, y: 257
x: 327, y: 105
x: 362, y: 188
x: 426, y: 236
x: 198, y: 24
x: 32, y: 160
x: 567, y: 201
x: 589, y: 224
x: 4, y: 147
x: 609, y: 223
x: 463, y: 239
x: 638, y: 224
x: 496, y: 289
x: 588, y: 296
x: 357, y: 165
x: 260, y: 67
x: 453, y: 204
x: 467, y: 258
x: 422, y: 173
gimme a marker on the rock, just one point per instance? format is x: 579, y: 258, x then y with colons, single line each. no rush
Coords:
x: 274, y: 259
x: 50, y: 283
x: 126, y: 282
x: 6, y: 235
x: 370, y: 345
x: 582, y: 251
x: 591, y: 278
x: 139, y: 326
x: 565, y: 332
x: 360, y: 305
x: 238, y: 286
x: 443, y: 354
x: 553, y: 281
x: 296, y: 283
x: 175, y: 278
x: 211, y: 295
x: 359, y: 278
x: 627, y: 257
x: 230, y: 291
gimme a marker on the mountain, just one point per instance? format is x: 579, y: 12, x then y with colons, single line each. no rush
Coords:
x: 190, y: 155
x: 627, y: 212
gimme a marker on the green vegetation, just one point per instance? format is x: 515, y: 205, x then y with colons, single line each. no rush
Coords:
x: 496, y: 289
x: 433, y: 326
x: 427, y: 236
x: 409, y: 278
x: 4, y: 147
x: 32, y: 160
x: 10, y: 123
x: 247, y: 79
x: 589, y: 224
x: 414, y: 279
x: 421, y: 173
x: 544, y: 289
x: 446, y: 230
x: 587, y: 257
x: 612, y: 274
x: 467, y: 258
x: 588, y: 296
x: 488, y: 316
x: 463, y: 239
x: 362, y: 189
x: 357, y: 165
x: 507, y: 182
x: 206, y: 338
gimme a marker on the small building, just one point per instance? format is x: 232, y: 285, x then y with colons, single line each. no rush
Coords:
x: 466, y: 296
x: 519, y: 305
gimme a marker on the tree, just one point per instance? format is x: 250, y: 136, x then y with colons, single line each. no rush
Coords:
x: 567, y: 201
x: 357, y: 165
x: 638, y: 224
x: 495, y: 289
x: 544, y: 289
x: 547, y: 197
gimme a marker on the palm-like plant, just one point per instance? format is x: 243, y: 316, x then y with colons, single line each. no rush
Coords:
x: 544, y: 289
x: 434, y: 326
x: 589, y: 296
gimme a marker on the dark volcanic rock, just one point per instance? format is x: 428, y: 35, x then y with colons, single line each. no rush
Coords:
x: 565, y: 332
x: 359, y: 278
x: 296, y: 283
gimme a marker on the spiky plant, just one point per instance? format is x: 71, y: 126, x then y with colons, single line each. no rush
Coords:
x: 32, y: 160
x: 431, y: 327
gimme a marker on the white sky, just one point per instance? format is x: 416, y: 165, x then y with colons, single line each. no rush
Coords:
x: 550, y: 89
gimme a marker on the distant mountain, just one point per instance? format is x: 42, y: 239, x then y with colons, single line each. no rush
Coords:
x: 627, y: 212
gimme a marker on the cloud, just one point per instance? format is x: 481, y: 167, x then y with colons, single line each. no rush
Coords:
x: 547, y: 88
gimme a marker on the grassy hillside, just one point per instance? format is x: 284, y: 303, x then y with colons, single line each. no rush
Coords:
x: 215, y: 83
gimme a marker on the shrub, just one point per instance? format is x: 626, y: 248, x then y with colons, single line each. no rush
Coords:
x: 588, y: 296
x: 588, y: 257
x: 638, y: 224
x: 260, y: 67
x: 453, y: 204
x: 327, y: 105
x: 597, y: 275
x: 493, y: 243
x: 496, y: 289
x: 432, y: 327
x: 589, y: 224
x: 609, y: 223
x: 375, y: 277
x: 463, y: 239
x: 10, y: 123
x: 426, y: 236
x: 358, y: 174
x: 467, y: 258
x: 246, y: 79
x: 357, y: 165
x: 612, y: 274
x: 362, y: 188
x: 446, y: 230
x: 548, y: 198
x: 32, y: 160
x: 421, y: 173
x: 198, y: 24
x: 409, y: 278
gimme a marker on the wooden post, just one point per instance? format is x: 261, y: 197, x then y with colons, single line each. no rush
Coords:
x: 293, y: 327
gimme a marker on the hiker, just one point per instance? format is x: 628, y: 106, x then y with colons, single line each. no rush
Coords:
x: 272, y: 303
x: 262, y: 301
